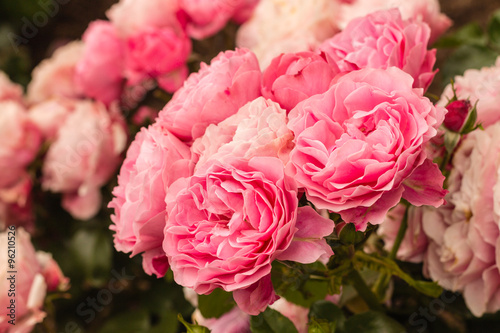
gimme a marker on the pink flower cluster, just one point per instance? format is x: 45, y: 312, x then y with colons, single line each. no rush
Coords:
x: 211, y: 189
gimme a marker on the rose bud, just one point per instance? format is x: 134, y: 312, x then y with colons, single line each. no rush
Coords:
x: 458, y: 112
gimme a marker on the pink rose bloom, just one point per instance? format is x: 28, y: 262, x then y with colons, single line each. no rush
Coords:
x: 20, y: 142
x: 84, y: 156
x: 244, y: 11
x: 427, y: 11
x: 16, y: 205
x: 158, y: 53
x: 99, y: 73
x: 55, y: 76
x: 205, y: 18
x: 464, y: 234
x: 10, y: 91
x: 359, y: 146
x: 213, y: 94
x: 258, y: 129
x: 230, y: 220
x: 381, y: 40
x: 288, y: 26
x: 414, y: 243
x: 154, y: 161
x: 132, y: 16
x: 234, y: 321
x: 481, y: 86
x: 51, y: 114
x: 293, y: 77
x: 31, y: 282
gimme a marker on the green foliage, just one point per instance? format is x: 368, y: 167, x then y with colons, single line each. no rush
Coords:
x: 127, y: 322
x: 325, y: 317
x: 372, y: 322
x: 271, y: 321
x: 193, y: 328
x: 216, y: 304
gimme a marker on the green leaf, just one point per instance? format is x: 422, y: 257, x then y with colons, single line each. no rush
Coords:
x: 92, y: 253
x: 388, y: 266
x: 470, y: 34
x: 470, y: 123
x: 216, y: 304
x: 451, y: 140
x: 349, y: 235
x: 127, y: 322
x: 372, y: 322
x: 325, y: 311
x: 192, y: 328
x: 494, y: 29
x: 271, y: 321
x: 320, y: 326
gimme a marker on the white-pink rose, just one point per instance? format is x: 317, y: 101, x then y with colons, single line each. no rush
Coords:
x: 381, y: 40
x: 154, y: 161
x: 55, y: 76
x: 214, y: 93
x: 357, y: 144
x: 36, y: 274
x: 84, y: 156
x: 288, y: 26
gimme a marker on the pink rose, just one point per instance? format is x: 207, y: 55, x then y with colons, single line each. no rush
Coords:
x: 55, y: 76
x: 51, y: 114
x: 287, y: 26
x: 31, y: 283
x: 99, y: 73
x: 458, y: 111
x: 464, y: 234
x: 381, y: 40
x: 234, y: 321
x: 16, y: 205
x: 84, y: 156
x: 230, y: 220
x: 213, y: 94
x: 132, y: 16
x: 156, y: 53
x: 427, y: 11
x: 293, y: 77
x: 297, y: 314
x: 258, y: 129
x: 154, y: 161
x: 481, y: 86
x: 414, y: 243
x: 244, y: 11
x: 20, y: 142
x: 10, y: 91
x: 357, y: 143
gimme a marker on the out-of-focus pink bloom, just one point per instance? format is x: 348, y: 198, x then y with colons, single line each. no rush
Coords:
x: 156, y: 53
x: 258, y: 129
x: 143, y: 115
x: 16, y: 205
x: 84, y: 156
x: 10, y: 91
x: 481, y: 86
x: 293, y: 77
x: 31, y: 283
x: 297, y: 314
x: 357, y: 144
x: 99, y: 73
x: 415, y: 242
x: 234, y: 321
x: 381, y: 40
x: 427, y: 11
x: 464, y: 234
x: 55, y: 76
x: 211, y: 95
x: 154, y: 161
x: 288, y: 26
x: 51, y: 114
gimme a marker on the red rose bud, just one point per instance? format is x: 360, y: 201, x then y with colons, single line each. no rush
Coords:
x: 457, y: 114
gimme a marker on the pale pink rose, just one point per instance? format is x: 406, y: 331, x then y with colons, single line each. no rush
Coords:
x: 288, y: 26
x: 16, y: 205
x: 464, y: 234
x: 296, y: 313
x: 155, y: 159
x: 427, y: 11
x: 293, y: 77
x: 206, y: 18
x: 414, y: 243
x: 481, y: 86
x: 51, y: 114
x: 211, y: 95
x: 10, y: 91
x: 132, y: 16
x: 155, y: 53
x: 357, y: 144
x: 30, y: 283
x: 218, y: 219
x: 381, y: 40
x: 84, y: 156
x: 55, y: 76
x: 100, y: 71
x: 234, y: 321
x: 20, y: 139
x: 52, y: 273
x: 258, y: 129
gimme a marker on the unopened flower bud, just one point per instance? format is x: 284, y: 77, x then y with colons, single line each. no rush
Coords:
x: 458, y: 112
